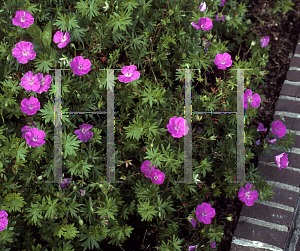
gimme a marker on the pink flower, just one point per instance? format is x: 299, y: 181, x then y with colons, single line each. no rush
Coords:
x: 23, y: 52
x: 61, y: 39
x: 204, y: 23
x: 146, y: 168
x: 84, y: 134
x: 254, y: 99
x: 193, y: 222
x: 30, y: 106
x: 23, y: 18
x: 64, y: 185
x: 177, y: 127
x: 192, y: 248
x: 28, y: 82
x: 213, y: 245
x: 44, y: 84
x: 3, y: 220
x: 130, y: 74
x: 223, y: 60
x: 282, y: 160
x: 82, y: 192
x: 35, y: 137
x: 80, y: 66
x: 278, y: 128
x: 205, y: 212
x: 157, y: 177
x: 219, y: 19
x: 248, y: 196
x: 26, y: 129
x: 202, y: 7
x: 222, y: 3
x: 261, y: 128
x: 264, y: 41
x: 272, y: 141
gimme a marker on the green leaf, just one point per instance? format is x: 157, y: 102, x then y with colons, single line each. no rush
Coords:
x: 147, y: 211
x: 51, y: 208
x: 134, y: 130
x: 36, y: 33
x: 13, y: 202
x: 35, y: 213
x: 70, y: 144
x: 21, y: 152
x: 69, y: 231
x: 47, y: 35
x: 48, y: 112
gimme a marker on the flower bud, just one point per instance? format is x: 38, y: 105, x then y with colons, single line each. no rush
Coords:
x: 253, y: 43
x: 74, y: 188
x: 80, y: 222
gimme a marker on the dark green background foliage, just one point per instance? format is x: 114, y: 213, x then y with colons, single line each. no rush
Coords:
x: 158, y: 38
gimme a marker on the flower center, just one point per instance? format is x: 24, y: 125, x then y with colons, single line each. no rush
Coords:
x: 155, y: 177
x: 204, y: 214
x: 202, y: 26
x: 31, y: 82
x: 64, y: 39
x: 223, y: 62
x: 276, y: 129
x: 30, y: 106
x: 80, y: 67
x: 177, y: 127
x: 23, y: 18
x: 128, y: 74
x: 25, y: 53
x: 84, y: 130
x: 34, y: 138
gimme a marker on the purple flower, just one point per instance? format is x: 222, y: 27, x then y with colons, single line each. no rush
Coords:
x: 192, y: 248
x: 202, y: 7
x: 80, y: 66
x: 157, y: 177
x: 205, y: 212
x: 130, y: 74
x: 204, y: 23
x: 282, y: 160
x: 23, y: 52
x: 44, y: 84
x: 264, y: 41
x: 261, y: 128
x: 146, y: 168
x: 278, y: 128
x: 3, y: 219
x: 61, y: 39
x: 35, y: 137
x: 254, y: 99
x: 177, y: 127
x: 28, y: 82
x: 26, y: 129
x: 23, y: 18
x: 84, y: 134
x: 248, y: 196
x: 272, y: 141
x: 65, y: 185
x: 257, y: 142
x: 30, y: 106
x: 213, y: 245
x: 222, y: 3
x: 206, y: 45
x: 223, y: 60
x: 193, y: 222
x: 219, y: 19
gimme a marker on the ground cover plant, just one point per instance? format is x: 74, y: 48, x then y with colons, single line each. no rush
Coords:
x: 148, y: 41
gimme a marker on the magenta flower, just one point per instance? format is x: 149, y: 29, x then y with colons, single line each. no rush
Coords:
x: 84, y: 134
x: 248, y: 97
x: 204, y: 23
x: 26, y: 129
x: 282, y: 160
x: 264, y: 41
x: 193, y: 222
x: 157, y: 177
x: 44, y: 84
x: 213, y: 245
x: 30, y: 106
x: 278, y: 128
x: 23, y: 52
x: 28, y: 82
x: 223, y: 60
x: 146, y: 168
x: 248, y: 196
x: 202, y: 7
x: 65, y: 185
x: 205, y: 212
x: 130, y: 74
x: 222, y: 3
x: 192, y: 248
x: 257, y: 142
x: 219, y: 19
x: 273, y: 141
x: 177, y: 127
x: 80, y: 66
x: 61, y: 39
x: 23, y: 18
x: 3, y: 220
x: 261, y: 128
x: 35, y: 137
